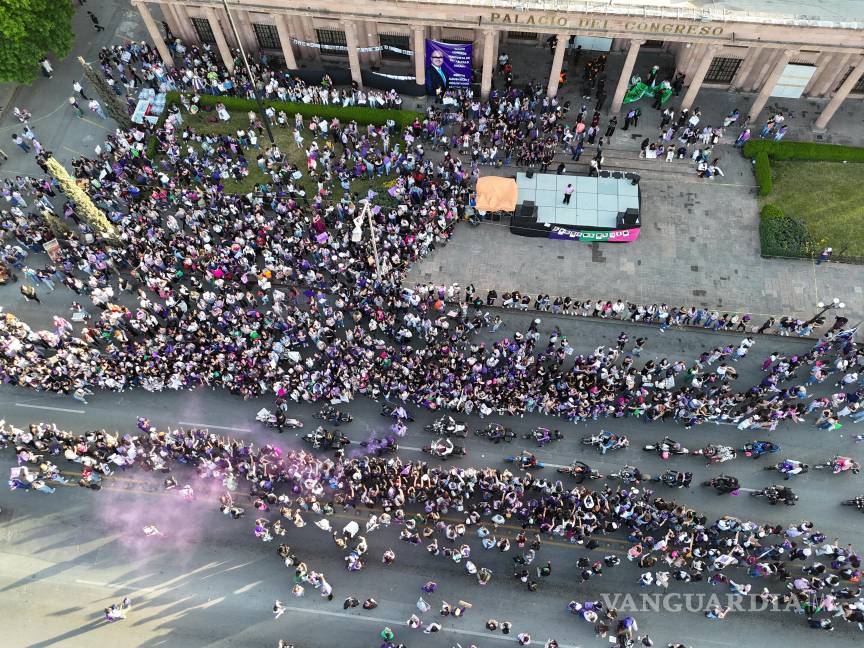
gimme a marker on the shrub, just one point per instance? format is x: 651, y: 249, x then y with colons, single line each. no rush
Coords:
x: 781, y: 235
x: 762, y: 170
x: 360, y: 114
x: 809, y: 151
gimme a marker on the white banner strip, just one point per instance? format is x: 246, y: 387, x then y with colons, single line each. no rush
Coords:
x: 343, y: 48
x: 395, y: 76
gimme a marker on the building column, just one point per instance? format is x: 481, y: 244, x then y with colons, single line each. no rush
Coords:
x: 744, y: 69
x: 353, y: 54
x: 285, y: 41
x: 841, y: 94
x: 557, y: 64
x: 840, y: 64
x: 698, y: 76
x: 221, y: 43
x: 155, y: 36
x: 245, y: 30
x: 184, y: 21
x: 419, y: 32
x: 624, y: 80
x: 372, y: 40
x: 488, y: 64
x: 306, y: 29
x: 824, y: 64
x: 770, y: 82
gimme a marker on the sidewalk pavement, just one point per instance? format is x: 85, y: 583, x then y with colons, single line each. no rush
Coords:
x: 53, y: 121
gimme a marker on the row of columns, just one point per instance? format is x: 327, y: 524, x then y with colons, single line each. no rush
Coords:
x: 489, y: 47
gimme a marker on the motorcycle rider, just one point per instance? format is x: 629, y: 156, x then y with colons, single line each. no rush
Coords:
x: 527, y: 459
x: 725, y: 484
x: 842, y: 464
x: 609, y: 441
x: 791, y: 467
x: 580, y: 470
x: 777, y: 493
x: 442, y: 448
x: 668, y: 446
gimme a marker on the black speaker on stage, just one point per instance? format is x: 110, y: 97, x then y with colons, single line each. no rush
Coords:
x: 629, y: 218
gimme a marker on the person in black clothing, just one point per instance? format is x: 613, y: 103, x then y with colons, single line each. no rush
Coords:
x: 610, y: 129
x: 95, y: 21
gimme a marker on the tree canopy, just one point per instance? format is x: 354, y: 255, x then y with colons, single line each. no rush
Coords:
x: 29, y: 31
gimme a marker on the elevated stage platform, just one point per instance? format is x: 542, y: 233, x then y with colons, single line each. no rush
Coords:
x: 605, y: 209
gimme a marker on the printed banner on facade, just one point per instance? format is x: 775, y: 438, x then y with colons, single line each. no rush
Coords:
x: 592, y: 236
x: 448, y: 65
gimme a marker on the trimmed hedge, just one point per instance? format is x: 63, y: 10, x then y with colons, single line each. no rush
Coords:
x: 804, y: 151
x: 360, y: 114
x: 781, y: 235
x: 762, y: 171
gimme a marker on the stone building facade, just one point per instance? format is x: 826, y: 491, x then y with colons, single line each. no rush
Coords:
x: 789, y: 53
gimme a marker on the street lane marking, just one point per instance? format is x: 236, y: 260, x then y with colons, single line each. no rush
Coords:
x: 115, y: 585
x: 401, y: 623
x: 215, y: 427
x: 53, y: 409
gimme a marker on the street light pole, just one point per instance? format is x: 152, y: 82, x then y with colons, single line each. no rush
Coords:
x: 367, y: 213
x: 835, y: 303
x: 252, y: 79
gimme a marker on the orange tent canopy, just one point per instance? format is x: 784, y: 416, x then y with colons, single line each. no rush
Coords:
x: 495, y: 193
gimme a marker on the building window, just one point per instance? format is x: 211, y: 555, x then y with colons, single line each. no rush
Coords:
x: 332, y: 37
x: 267, y: 36
x: 653, y: 44
x: 858, y: 88
x: 204, y: 30
x: 394, y: 40
x: 722, y: 70
x: 522, y: 36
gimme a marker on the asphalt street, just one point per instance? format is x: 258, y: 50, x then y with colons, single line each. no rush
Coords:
x: 64, y: 557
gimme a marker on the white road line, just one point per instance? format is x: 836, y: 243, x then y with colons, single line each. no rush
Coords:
x: 53, y: 409
x: 215, y: 427
x: 115, y: 585
x: 401, y: 447
x: 398, y: 624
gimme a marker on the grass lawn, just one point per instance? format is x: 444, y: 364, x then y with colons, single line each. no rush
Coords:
x: 285, y: 142
x: 828, y: 197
